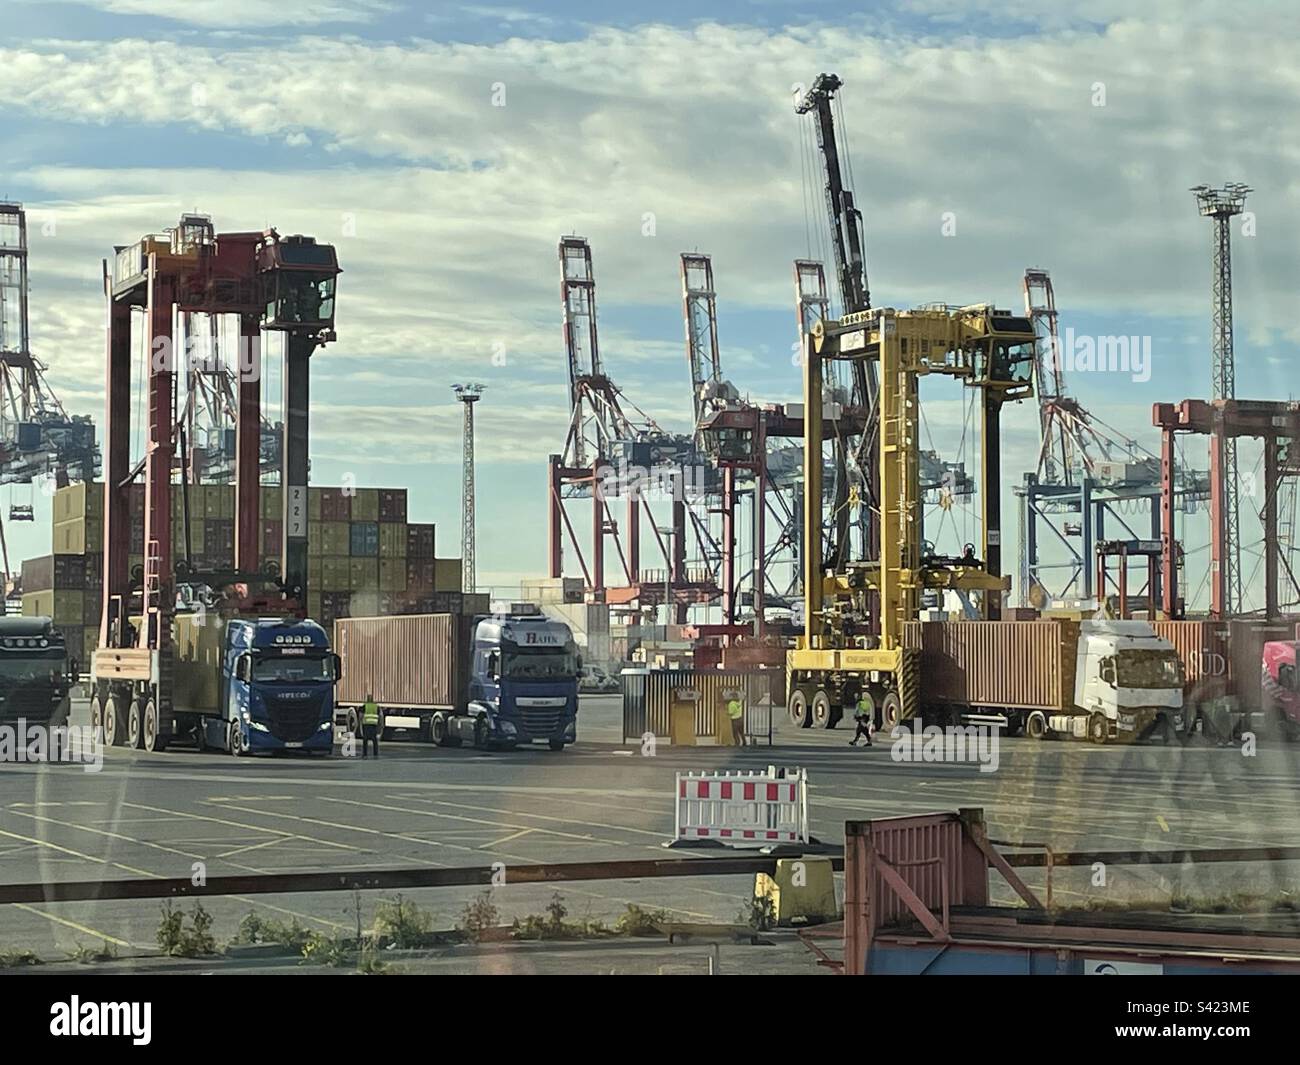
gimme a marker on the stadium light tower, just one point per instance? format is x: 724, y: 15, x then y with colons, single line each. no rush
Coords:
x: 468, y: 394
x: 1222, y: 204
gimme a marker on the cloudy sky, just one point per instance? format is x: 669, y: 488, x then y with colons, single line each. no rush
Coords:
x: 444, y: 148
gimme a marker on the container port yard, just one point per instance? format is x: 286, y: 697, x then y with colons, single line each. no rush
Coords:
x: 809, y: 592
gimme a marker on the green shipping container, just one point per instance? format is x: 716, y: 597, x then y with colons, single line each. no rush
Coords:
x: 392, y: 574
x: 271, y: 502
x: 392, y: 540
x: 365, y: 505
x: 336, y: 574
x: 335, y: 538
x: 447, y: 575
x: 363, y: 574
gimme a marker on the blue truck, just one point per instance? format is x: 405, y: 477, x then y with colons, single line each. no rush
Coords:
x: 243, y: 685
x: 494, y: 681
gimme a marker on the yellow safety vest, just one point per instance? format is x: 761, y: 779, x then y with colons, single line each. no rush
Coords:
x: 735, y: 709
x: 370, y: 714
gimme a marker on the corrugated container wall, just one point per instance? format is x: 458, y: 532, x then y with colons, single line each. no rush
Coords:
x: 1025, y: 664
x: 1202, y: 647
x: 411, y: 660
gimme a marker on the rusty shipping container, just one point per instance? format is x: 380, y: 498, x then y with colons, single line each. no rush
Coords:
x: 1018, y: 665
x: 1202, y: 647
x: 1223, y: 657
x: 413, y: 660
x: 392, y: 506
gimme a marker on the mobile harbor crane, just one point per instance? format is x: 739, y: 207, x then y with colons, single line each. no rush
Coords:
x: 838, y: 660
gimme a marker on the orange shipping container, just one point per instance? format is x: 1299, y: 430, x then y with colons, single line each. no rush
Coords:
x: 412, y: 660
x: 1017, y: 665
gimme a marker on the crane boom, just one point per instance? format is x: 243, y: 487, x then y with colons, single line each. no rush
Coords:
x: 845, y: 218
x: 855, y: 297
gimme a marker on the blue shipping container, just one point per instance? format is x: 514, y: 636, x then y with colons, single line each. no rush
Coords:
x: 365, y: 539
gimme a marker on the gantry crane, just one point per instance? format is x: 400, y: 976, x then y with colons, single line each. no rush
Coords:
x: 607, y: 451
x: 837, y: 661
x: 38, y: 439
x: 1088, y: 476
x: 274, y: 283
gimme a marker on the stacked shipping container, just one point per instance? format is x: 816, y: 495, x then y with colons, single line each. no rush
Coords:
x: 364, y: 558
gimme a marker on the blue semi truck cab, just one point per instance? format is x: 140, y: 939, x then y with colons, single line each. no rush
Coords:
x: 523, y: 683
x: 237, y: 684
x: 275, y: 689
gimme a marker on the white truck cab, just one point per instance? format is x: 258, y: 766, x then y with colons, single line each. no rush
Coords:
x: 1127, y: 682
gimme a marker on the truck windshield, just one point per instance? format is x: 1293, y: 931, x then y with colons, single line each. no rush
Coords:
x: 548, y: 664
x: 1149, y: 669
x: 45, y: 666
x: 290, y: 668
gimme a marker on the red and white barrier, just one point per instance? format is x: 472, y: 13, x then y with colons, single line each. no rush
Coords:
x: 743, y: 809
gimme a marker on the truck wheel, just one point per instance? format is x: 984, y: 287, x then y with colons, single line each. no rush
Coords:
x: 134, y: 725
x: 200, y: 740
x: 891, y: 712
x: 114, y: 725
x: 1098, y: 728
x: 150, y: 725
x: 96, y: 713
x: 235, y: 739
x: 1036, y: 726
x: 798, y: 709
x: 354, y: 723
x: 823, y: 714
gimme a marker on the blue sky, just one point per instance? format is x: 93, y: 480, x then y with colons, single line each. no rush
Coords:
x: 370, y: 123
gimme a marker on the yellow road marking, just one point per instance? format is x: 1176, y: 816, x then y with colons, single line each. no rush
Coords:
x: 469, y: 820
x: 541, y: 817
x: 516, y: 835
x: 114, y: 835
x: 251, y: 847
x: 78, y: 927
x: 316, y: 841
x: 80, y: 854
x: 348, y: 828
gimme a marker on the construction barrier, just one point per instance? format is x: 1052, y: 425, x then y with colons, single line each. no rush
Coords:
x: 652, y: 700
x: 742, y: 809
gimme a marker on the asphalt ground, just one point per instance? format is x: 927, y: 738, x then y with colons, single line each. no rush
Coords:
x: 156, y: 815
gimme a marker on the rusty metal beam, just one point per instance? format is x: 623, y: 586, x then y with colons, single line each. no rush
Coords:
x: 385, y: 879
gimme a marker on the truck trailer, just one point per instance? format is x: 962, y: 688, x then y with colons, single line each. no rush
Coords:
x: 1104, y: 680
x: 243, y: 685
x: 495, y: 681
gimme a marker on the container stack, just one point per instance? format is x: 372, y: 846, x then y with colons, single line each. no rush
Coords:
x: 365, y: 558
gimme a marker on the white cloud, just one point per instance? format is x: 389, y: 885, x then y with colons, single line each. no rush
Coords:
x: 458, y: 204
x: 244, y: 13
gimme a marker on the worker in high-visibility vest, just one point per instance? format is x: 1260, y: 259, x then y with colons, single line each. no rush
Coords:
x: 370, y: 725
x: 863, y: 716
x: 736, y: 712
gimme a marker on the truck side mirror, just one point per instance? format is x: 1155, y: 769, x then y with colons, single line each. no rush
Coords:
x: 243, y: 668
x: 1108, y: 671
x: 1286, y: 677
x: 338, y: 667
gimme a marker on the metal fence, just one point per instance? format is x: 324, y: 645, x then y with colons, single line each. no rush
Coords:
x: 648, y: 698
